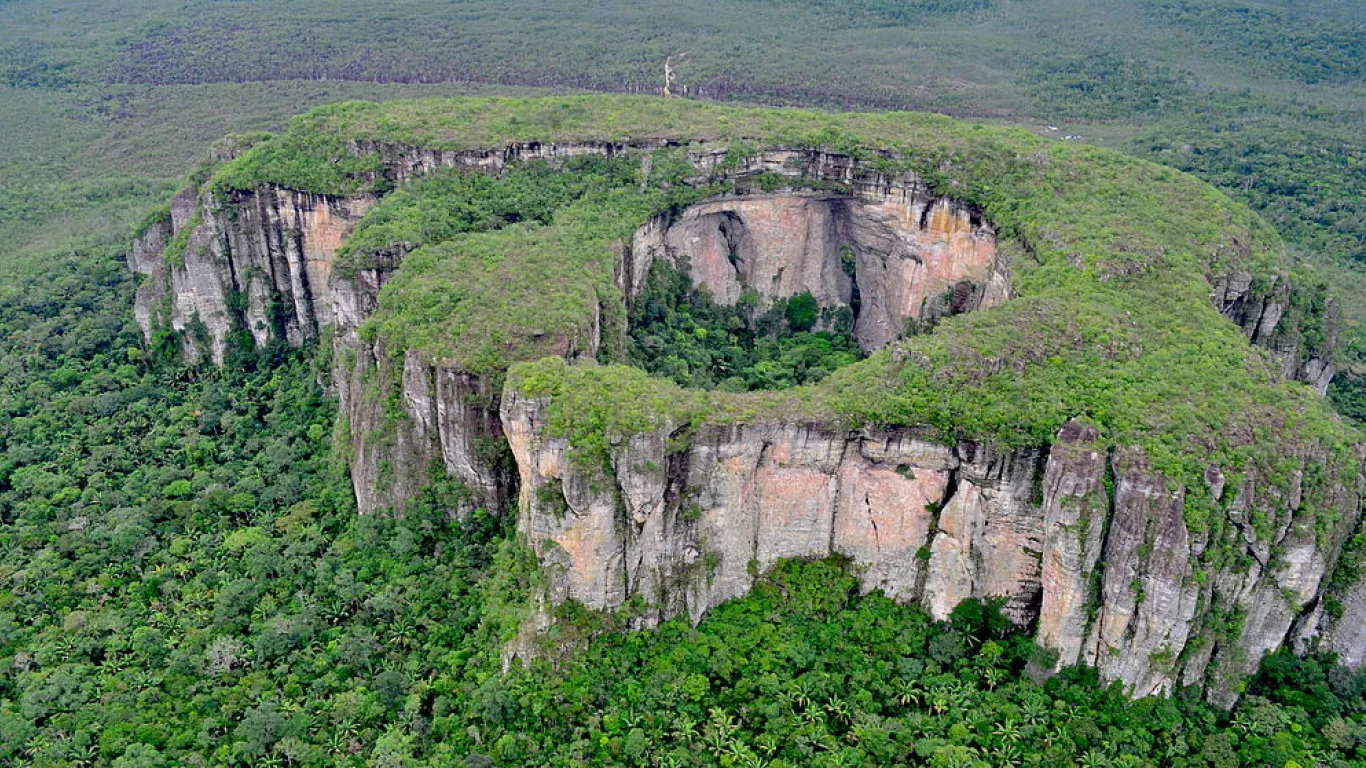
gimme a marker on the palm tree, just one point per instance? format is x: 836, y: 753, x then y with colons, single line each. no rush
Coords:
x: 839, y: 710
x: 1093, y: 759
x: 941, y: 703
x: 716, y: 742
x: 909, y: 692
x: 1006, y: 755
x: 722, y: 721
x: 337, y: 742
x: 632, y: 719
x: 35, y: 746
x: 87, y: 757
x: 812, y: 717
x: 802, y: 694
x: 1034, y: 712
x: 993, y: 677
x: 1243, y: 724
x: 1007, y: 732
x: 685, y: 729
x: 767, y: 743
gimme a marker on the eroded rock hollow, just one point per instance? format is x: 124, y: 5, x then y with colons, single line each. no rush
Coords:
x: 890, y: 255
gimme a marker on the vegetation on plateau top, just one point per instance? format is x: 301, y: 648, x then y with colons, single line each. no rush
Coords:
x: 1112, y: 259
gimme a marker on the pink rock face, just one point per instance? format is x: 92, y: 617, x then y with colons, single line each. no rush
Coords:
x: 742, y: 498
x: 884, y: 519
x: 324, y: 227
x: 905, y: 254
x: 953, y: 573
x: 945, y: 248
x: 795, y: 511
x: 778, y: 245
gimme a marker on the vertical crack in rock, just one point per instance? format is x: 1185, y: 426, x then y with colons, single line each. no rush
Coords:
x: 868, y: 510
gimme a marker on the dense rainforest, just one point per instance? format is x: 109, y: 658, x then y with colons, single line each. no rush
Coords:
x: 187, y: 583
x: 184, y: 579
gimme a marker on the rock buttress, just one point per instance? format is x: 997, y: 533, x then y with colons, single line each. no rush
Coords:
x: 1111, y: 578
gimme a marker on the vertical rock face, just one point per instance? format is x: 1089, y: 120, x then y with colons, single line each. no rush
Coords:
x: 442, y: 418
x: 1147, y: 596
x: 437, y: 416
x: 145, y: 258
x: 778, y: 245
x: 989, y: 536
x: 1075, y: 511
x: 1345, y: 634
x: 891, y: 253
x: 920, y: 521
x: 1263, y: 312
x: 260, y: 262
x: 1110, y: 576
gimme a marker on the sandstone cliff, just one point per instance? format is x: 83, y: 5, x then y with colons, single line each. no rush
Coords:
x: 1093, y: 544
x: 260, y: 262
x: 1092, y: 548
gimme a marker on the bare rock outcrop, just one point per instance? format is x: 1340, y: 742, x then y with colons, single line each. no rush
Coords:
x: 889, y: 251
x: 1263, y: 309
x: 689, y: 530
x: 1113, y: 578
x: 259, y: 262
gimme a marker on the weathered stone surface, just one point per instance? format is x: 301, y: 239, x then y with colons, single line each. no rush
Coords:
x: 990, y: 535
x: 259, y: 262
x: 688, y: 531
x: 1148, y: 599
x: 145, y: 258
x: 448, y: 418
x: 1111, y: 579
x: 884, y: 517
x: 1262, y: 310
x: 1075, y: 509
x: 903, y: 253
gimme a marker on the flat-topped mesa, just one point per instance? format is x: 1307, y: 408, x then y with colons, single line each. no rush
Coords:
x: 259, y: 264
x: 260, y: 260
x: 1071, y: 424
